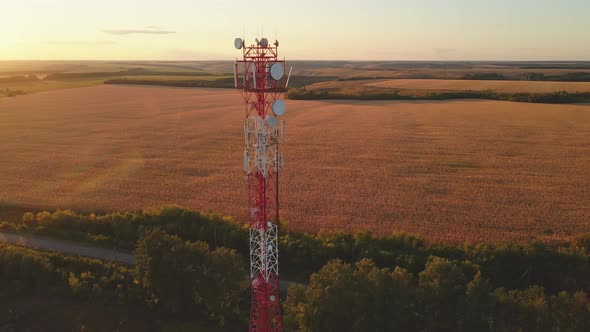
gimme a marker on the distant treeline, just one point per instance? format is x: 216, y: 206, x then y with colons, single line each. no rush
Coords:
x: 129, y: 72
x: 225, y: 82
x: 561, y: 97
x: 485, y: 76
x: 567, y: 77
x: 584, y: 65
x: 19, y: 79
x: 11, y: 93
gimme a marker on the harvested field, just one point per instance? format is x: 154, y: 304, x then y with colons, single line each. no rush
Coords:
x: 475, y: 85
x: 453, y: 170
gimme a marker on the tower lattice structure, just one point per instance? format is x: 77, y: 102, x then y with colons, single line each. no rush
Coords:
x: 259, y: 76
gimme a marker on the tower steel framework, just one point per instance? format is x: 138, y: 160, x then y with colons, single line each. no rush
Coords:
x: 259, y: 76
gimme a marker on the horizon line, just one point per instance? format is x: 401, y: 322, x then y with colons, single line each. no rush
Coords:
x: 323, y: 60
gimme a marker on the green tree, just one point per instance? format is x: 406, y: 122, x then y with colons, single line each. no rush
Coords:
x: 442, y: 287
x: 185, y: 277
x: 570, y: 312
x: 480, y: 302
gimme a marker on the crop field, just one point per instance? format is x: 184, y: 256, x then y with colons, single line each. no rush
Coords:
x: 480, y: 85
x: 452, y: 171
x: 418, y: 87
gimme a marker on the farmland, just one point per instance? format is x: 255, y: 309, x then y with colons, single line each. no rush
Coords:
x: 455, y: 171
x: 480, y: 85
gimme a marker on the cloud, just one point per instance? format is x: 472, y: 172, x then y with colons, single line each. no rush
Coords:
x: 442, y: 51
x: 81, y: 42
x: 149, y: 30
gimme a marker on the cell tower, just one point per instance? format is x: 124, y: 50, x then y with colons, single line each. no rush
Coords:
x: 260, y: 77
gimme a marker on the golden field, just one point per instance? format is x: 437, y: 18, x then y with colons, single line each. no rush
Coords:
x: 481, y: 85
x: 452, y: 170
x: 418, y: 87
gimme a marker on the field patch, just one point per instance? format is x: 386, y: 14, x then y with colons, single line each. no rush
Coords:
x: 451, y: 170
x: 481, y: 85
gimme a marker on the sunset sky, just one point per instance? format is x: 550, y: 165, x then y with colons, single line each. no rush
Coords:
x: 319, y: 29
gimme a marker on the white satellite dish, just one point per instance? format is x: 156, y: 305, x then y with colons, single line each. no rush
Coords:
x: 264, y: 42
x: 272, y: 121
x: 238, y: 43
x: 277, y: 70
x: 278, y: 107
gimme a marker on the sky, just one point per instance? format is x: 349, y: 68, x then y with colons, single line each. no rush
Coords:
x: 306, y: 29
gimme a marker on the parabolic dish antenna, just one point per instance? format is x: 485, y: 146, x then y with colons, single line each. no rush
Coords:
x: 278, y: 107
x: 264, y: 42
x: 238, y: 43
x: 272, y: 121
x: 277, y: 71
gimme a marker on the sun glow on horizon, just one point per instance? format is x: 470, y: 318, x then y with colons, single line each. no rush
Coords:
x: 335, y: 30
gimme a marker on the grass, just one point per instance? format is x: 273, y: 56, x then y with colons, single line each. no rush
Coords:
x: 453, y: 171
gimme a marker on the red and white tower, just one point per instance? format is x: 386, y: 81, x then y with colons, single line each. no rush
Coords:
x: 260, y: 76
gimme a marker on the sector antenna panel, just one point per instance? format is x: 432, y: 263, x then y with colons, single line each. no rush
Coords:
x: 238, y: 43
x: 278, y: 107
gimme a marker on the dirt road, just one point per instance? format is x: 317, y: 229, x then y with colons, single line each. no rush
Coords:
x: 66, y: 247
x: 71, y: 248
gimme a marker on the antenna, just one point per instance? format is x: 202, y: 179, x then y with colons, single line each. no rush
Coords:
x: 254, y: 74
x: 272, y: 121
x: 288, y: 77
x: 235, y: 74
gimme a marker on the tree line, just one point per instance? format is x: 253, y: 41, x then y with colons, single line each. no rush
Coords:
x: 172, y: 278
x: 559, y: 97
x: 191, y: 262
x: 448, y: 295
x: 556, y: 267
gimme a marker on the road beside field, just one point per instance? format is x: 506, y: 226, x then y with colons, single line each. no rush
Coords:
x: 71, y: 248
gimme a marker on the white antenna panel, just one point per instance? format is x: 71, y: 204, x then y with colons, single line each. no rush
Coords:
x: 278, y: 107
x: 246, y: 161
x: 264, y: 42
x: 288, y: 77
x: 272, y: 121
